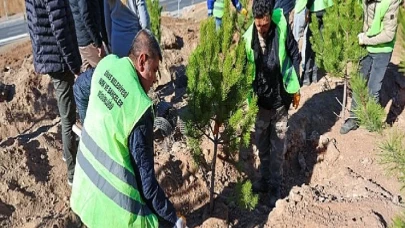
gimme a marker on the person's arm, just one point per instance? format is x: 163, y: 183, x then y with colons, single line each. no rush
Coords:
x: 89, y: 20
x: 107, y: 19
x: 143, y: 14
x: 293, y: 51
x: 210, y: 7
x: 237, y: 5
x: 390, y: 23
x: 141, y: 149
x: 61, y: 20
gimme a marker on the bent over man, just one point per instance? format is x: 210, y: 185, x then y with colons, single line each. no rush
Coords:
x: 114, y: 183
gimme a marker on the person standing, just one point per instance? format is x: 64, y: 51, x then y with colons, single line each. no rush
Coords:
x: 87, y: 17
x: 271, y: 47
x: 216, y: 8
x: 56, y: 53
x: 378, y: 35
x: 123, y: 20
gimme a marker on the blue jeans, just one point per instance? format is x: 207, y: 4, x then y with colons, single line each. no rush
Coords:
x: 218, y: 23
x: 373, y: 68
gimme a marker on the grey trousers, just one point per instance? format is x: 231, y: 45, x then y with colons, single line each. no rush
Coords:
x: 63, y: 84
x: 271, y: 141
x: 373, y: 68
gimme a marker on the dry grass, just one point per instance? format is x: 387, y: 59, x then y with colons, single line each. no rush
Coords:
x: 13, y: 7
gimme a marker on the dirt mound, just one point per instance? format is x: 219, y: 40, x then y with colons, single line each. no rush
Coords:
x: 331, y: 180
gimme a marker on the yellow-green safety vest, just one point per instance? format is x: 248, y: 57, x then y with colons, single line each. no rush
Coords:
x: 290, y: 78
x: 218, y: 8
x: 105, y: 191
x: 377, y: 27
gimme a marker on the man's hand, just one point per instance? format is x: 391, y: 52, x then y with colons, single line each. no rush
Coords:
x: 244, y: 12
x: 101, y: 52
x: 180, y: 223
x: 296, y: 100
x: 361, y: 38
x: 210, y: 13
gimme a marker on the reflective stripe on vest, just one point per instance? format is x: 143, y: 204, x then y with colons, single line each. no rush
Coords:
x: 377, y: 27
x: 105, y: 191
x: 321, y: 5
x: 219, y: 8
x: 290, y: 78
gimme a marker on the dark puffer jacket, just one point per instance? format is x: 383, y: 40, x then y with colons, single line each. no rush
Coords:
x: 87, y: 16
x: 53, y: 36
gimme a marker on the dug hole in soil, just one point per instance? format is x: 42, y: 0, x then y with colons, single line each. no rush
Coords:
x: 330, y: 180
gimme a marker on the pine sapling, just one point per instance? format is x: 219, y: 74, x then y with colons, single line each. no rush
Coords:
x: 219, y: 81
x: 337, y: 49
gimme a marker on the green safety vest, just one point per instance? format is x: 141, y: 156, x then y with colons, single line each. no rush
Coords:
x: 105, y: 191
x: 290, y: 78
x: 377, y: 27
x: 300, y: 5
x: 218, y: 8
x: 321, y: 5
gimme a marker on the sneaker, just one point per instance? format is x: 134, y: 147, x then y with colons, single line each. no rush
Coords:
x: 275, y: 194
x: 260, y: 186
x: 350, y: 124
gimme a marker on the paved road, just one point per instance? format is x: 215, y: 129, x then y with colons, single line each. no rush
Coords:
x: 16, y: 29
x: 12, y: 31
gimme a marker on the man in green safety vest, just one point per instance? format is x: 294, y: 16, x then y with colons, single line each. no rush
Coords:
x: 379, y: 31
x: 310, y: 69
x: 114, y: 183
x: 216, y: 8
x: 271, y: 47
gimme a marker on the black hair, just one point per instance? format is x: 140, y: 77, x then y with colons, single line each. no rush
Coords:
x: 145, y: 42
x: 262, y: 8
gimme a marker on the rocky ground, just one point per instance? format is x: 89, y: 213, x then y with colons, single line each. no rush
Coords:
x: 331, y: 180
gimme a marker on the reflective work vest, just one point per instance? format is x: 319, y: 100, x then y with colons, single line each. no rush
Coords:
x: 218, y: 8
x: 290, y: 78
x: 300, y: 5
x: 321, y: 5
x: 105, y: 191
x: 377, y: 27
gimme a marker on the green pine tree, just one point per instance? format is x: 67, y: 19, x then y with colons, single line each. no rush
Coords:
x: 155, y: 11
x: 219, y: 83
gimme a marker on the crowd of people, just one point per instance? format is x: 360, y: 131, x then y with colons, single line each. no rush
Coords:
x: 111, y: 171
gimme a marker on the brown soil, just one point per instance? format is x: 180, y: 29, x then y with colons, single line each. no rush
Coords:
x: 13, y: 7
x: 339, y: 184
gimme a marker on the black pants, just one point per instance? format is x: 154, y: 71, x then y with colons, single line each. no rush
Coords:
x: 63, y: 84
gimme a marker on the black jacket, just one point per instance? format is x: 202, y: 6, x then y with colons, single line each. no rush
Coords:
x: 268, y: 83
x: 87, y: 16
x: 53, y: 36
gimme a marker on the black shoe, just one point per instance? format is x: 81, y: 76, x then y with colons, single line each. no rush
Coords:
x: 275, y: 194
x: 260, y: 186
x: 350, y: 124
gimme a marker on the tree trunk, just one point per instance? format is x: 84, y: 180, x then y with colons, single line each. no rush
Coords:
x: 214, y: 159
x: 344, y: 95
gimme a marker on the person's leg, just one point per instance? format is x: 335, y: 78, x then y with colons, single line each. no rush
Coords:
x: 397, y: 107
x: 278, y: 141
x: 218, y: 23
x: 262, y: 137
x: 63, y: 83
x: 351, y: 123
x: 377, y: 72
x: 299, y: 24
x: 309, y: 59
